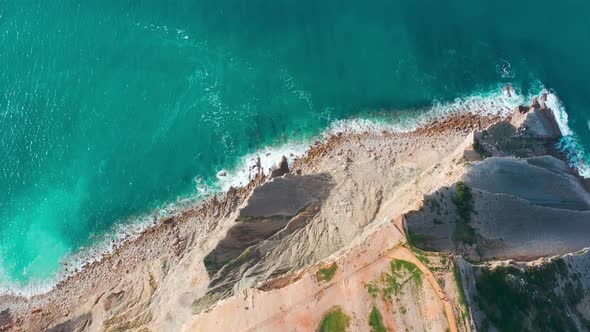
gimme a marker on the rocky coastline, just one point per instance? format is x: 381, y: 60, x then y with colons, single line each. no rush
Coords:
x: 414, y: 226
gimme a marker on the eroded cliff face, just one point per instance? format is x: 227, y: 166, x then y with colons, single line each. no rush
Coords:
x: 251, y: 250
x: 549, y: 294
x: 517, y: 209
x: 350, y: 261
x: 518, y: 200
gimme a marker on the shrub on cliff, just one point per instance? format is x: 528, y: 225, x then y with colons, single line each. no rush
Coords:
x: 463, y: 201
x: 326, y: 274
x: 335, y: 321
x: 376, y: 321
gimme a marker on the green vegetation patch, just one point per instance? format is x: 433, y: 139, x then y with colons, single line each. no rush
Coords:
x: 530, y: 299
x: 477, y: 147
x: 210, y: 265
x: 244, y: 255
x: 328, y: 273
x: 376, y: 321
x: 418, y: 240
x: 213, y: 263
x: 422, y: 256
x: 418, y: 251
x: 463, y: 201
x: 398, y: 266
x: 429, y: 259
x: 400, y: 273
x: 433, y: 204
x: 459, y: 283
x: 373, y: 289
x: 335, y: 321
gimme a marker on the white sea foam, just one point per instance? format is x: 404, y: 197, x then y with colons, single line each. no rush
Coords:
x: 569, y: 143
x: 105, y: 244
x: 496, y: 102
x: 492, y: 103
x: 269, y: 157
x: 559, y: 113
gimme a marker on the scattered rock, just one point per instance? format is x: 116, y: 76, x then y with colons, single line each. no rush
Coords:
x: 5, y: 320
x: 544, y: 101
x: 167, y: 220
x: 535, y: 104
x: 507, y: 90
x: 284, y: 165
x: 80, y: 323
x: 521, y: 109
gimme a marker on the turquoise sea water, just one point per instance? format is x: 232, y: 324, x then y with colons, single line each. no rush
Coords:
x: 111, y: 109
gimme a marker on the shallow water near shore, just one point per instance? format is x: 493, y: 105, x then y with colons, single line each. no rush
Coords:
x: 113, y: 113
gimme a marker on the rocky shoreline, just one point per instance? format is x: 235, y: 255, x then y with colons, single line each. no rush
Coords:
x: 358, y: 201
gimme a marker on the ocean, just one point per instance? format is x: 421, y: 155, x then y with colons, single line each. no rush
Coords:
x: 114, y: 113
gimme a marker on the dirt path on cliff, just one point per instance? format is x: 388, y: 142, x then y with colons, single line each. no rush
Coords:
x: 398, y: 252
x: 404, y: 253
x: 314, y: 296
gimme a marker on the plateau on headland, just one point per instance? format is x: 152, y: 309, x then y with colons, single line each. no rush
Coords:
x: 473, y: 221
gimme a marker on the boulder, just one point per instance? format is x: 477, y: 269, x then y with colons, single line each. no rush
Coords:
x: 282, y: 170
x: 519, y: 209
x: 535, y: 104
x: 544, y: 101
x: 272, y: 213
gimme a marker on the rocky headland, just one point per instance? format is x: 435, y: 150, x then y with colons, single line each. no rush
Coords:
x: 468, y: 223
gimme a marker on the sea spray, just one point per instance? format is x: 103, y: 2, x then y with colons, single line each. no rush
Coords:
x: 569, y: 143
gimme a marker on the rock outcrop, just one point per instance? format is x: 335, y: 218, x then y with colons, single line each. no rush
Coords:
x: 549, y: 294
x: 272, y: 212
x: 282, y: 169
x: 523, y: 209
x: 530, y: 131
x: 519, y: 200
x: 532, y: 206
